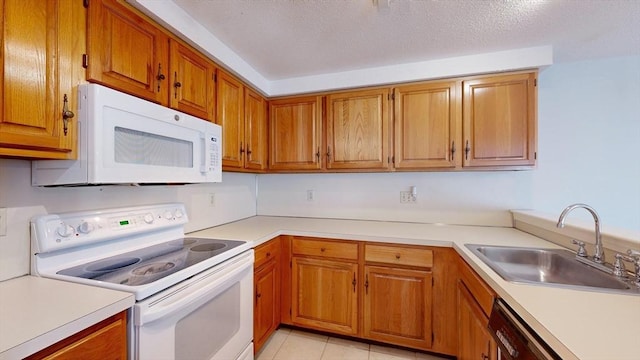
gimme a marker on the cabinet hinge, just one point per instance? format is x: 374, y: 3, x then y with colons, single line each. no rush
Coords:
x: 85, y: 61
x: 85, y: 3
x: 433, y: 338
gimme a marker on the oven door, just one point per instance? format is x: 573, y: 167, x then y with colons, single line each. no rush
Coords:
x: 209, y: 316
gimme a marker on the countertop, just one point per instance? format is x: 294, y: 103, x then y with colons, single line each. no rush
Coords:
x: 577, y: 324
x: 37, y: 312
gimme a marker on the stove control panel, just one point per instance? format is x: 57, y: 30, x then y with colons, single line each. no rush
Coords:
x: 60, y: 231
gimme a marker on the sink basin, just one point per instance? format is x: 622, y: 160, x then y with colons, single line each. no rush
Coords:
x: 552, y: 267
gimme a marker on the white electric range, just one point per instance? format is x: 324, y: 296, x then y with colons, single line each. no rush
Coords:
x: 194, y: 296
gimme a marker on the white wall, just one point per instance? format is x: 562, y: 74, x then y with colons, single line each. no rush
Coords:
x: 235, y: 198
x: 588, y: 146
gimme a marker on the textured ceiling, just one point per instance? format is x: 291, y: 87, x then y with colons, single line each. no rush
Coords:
x: 290, y: 38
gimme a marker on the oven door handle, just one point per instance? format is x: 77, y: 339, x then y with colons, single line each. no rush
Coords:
x: 207, y: 285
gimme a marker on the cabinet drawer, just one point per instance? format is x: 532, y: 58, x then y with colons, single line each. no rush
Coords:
x: 267, y: 251
x: 325, y: 248
x: 481, y: 292
x: 398, y: 255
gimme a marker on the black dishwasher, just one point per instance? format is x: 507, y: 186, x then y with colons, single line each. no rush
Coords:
x: 516, y: 341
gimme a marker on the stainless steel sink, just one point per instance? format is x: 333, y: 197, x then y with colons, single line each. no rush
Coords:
x: 552, y: 267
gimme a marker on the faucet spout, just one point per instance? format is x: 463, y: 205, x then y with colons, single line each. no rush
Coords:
x: 599, y: 255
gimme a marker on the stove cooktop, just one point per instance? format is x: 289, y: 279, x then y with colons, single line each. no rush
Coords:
x: 144, y: 266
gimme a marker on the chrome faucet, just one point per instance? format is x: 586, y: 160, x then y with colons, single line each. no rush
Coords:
x: 599, y: 255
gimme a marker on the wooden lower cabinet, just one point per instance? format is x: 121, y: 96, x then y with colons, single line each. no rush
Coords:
x: 474, y: 339
x: 104, y: 340
x: 397, y: 306
x: 325, y: 295
x: 475, y: 299
x: 398, y: 294
x: 266, y: 279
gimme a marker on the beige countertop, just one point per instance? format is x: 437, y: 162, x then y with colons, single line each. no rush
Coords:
x: 577, y: 324
x: 37, y: 312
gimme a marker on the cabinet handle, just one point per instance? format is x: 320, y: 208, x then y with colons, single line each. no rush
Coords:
x: 354, y: 282
x: 318, y: 154
x: 248, y: 152
x: 176, y: 85
x: 66, y: 114
x: 397, y: 256
x: 467, y: 148
x: 241, y: 149
x: 322, y: 249
x: 160, y: 76
x: 366, y: 284
x: 453, y: 149
x: 328, y: 153
x: 268, y: 254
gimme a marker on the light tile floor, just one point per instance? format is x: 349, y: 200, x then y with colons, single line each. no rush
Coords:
x: 287, y: 344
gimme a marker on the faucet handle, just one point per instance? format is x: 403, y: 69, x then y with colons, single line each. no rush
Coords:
x: 619, y: 269
x: 635, y: 259
x: 582, y: 252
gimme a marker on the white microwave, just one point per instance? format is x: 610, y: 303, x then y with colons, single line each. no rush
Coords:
x: 126, y: 140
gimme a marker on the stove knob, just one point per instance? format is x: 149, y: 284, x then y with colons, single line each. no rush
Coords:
x: 86, y: 227
x: 65, y: 230
x: 148, y: 218
x: 168, y: 215
x: 179, y: 214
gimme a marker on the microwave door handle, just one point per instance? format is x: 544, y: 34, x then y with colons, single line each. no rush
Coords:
x: 205, y: 156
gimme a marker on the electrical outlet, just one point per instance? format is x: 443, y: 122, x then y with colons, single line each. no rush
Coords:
x: 3, y: 222
x: 310, y: 195
x: 407, y: 198
x: 212, y: 200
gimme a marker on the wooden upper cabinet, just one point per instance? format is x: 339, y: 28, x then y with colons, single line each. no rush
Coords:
x: 255, y: 131
x: 40, y: 41
x: 230, y: 116
x: 295, y: 133
x: 192, y: 82
x: 126, y: 52
x: 358, y: 133
x: 499, y: 120
x: 428, y: 125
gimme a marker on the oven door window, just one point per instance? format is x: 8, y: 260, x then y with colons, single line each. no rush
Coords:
x: 203, y: 332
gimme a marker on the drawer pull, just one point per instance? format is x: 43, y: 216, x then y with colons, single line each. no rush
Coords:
x: 398, y: 256
x: 322, y: 249
x: 268, y: 254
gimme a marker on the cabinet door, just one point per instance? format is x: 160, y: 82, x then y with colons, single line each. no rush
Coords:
x: 39, y: 41
x: 104, y: 340
x: 397, y: 306
x: 255, y: 130
x: 296, y: 133
x: 266, y: 314
x: 324, y: 295
x: 231, y: 117
x: 126, y: 52
x: 474, y: 340
x: 192, y: 81
x: 499, y: 121
x: 427, y: 125
x: 358, y: 130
